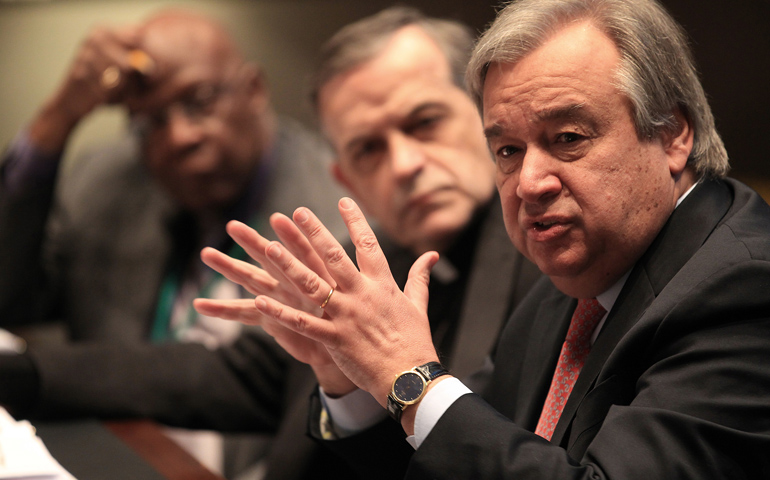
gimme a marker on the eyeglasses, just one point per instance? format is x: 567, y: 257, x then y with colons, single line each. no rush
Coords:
x: 195, y: 107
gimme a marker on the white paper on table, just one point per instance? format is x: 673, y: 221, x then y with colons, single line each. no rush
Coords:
x: 23, y: 455
x: 10, y: 343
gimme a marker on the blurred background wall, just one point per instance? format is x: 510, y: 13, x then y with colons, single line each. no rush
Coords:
x: 731, y: 40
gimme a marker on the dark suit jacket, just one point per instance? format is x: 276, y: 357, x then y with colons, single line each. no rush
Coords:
x: 676, y: 386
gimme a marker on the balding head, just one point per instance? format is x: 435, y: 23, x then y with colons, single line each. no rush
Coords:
x: 176, y: 38
x: 206, y: 111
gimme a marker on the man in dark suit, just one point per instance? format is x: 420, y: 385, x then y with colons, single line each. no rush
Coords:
x: 644, y: 352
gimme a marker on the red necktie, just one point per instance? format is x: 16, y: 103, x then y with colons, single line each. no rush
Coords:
x: 571, y: 359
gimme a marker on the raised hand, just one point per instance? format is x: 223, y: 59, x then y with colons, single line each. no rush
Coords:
x: 270, y: 281
x: 370, y: 328
x: 100, y: 73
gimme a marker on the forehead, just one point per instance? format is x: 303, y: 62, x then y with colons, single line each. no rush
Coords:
x: 186, y: 57
x: 409, y: 71
x: 575, y: 67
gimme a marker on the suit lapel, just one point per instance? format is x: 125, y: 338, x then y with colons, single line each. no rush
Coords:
x: 539, y: 360
x: 685, y: 231
x: 492, y: 279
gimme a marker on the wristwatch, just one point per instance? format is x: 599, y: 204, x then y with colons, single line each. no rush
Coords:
x: 409, y: 387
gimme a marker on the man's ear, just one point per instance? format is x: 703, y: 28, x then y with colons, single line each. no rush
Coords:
x: 678, y: 143
x: 256, y: 83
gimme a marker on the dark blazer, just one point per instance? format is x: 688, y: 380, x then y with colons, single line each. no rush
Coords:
x: 677, y: 385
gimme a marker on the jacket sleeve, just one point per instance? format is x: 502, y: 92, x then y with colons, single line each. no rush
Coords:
x: 23, y: 217
x: 234, y: 388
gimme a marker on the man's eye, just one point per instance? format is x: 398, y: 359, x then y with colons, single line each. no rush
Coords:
x: 367, y: 156
x: 507, y: 158
x: 568, y: 137
x: 367, y: 148
x: 427, y: 121
x: 507, y: 151
x: 424, y: 124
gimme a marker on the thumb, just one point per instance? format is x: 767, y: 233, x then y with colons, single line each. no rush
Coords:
x: 416, y: 288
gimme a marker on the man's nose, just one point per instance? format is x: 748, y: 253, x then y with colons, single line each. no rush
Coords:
x: 181, y: 130
x: 538, y: 177
x: 407, y: 156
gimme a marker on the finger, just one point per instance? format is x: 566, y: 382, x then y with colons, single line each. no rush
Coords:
x: 255, y: 280
x: 249, y: 239
x: 340, y: 267
x: 297, y: 321
x: 241, y: 310
x: 306, y: 281
x: 416, y: 288
x: 371, y: 261
x: 254, y: 245
x: 294, y: 241
x: 110, y: 50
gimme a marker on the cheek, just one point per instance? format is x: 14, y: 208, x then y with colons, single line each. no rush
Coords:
x: 469, y: 161
x: 373, y: 193
x: 507, y: 185
x: 511, y: 205
x: 479, y: 178
x: 153, y: 157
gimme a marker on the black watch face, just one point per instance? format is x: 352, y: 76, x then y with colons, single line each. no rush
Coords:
x: 408, y: 387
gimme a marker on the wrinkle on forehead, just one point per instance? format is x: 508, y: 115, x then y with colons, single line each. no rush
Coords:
x: 548, y: 80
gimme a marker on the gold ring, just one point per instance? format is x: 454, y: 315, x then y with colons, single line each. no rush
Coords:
x: 327, y: 298
x: 110, y: 78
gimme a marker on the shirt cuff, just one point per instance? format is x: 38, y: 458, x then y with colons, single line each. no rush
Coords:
x: 432, y: 407
x: 352, y: 413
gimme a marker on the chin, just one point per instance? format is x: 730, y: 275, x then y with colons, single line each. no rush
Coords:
x: 561, y: 266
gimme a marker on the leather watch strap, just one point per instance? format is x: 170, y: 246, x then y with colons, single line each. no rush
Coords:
x: 431, y: 370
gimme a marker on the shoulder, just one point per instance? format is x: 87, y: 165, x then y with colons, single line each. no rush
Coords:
x: 747, y: 223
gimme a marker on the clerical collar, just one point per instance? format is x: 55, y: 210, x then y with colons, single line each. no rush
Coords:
x: 457, y: 260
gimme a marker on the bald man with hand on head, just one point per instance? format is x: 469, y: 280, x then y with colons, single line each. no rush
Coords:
x: 109, y: 245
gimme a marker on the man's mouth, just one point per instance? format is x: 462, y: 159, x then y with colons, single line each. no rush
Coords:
x: 546, y: 230
x: 541, y: 226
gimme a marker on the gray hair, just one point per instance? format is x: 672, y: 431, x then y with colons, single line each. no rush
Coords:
x: 364, y: 39
x: 656, y: 72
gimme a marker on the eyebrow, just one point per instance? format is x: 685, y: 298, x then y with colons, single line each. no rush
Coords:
x: 493, y: 131
x: 575, y: 111
x: 426, y: 106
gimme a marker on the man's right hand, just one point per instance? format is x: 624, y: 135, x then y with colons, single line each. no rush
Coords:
x: 271, y: 282
x: 100, y: 74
